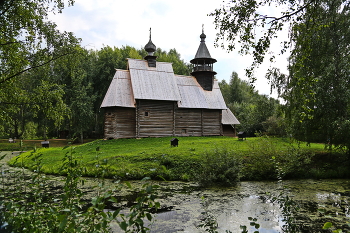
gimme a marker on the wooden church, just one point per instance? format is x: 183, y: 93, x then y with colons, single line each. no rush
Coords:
x: 149, y: 100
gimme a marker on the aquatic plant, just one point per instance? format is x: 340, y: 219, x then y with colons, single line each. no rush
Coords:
x: 33, y: 203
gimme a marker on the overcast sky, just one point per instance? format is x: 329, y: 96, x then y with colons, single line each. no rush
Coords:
x: 175, y: 24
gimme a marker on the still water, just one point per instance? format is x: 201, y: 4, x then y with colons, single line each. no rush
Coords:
x: 319, y: 201
x: 183, y: 208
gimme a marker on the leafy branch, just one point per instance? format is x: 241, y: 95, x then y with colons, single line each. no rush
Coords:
x: 34, y: 67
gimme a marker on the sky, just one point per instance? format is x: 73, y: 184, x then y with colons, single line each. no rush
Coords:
x: 175, y: 24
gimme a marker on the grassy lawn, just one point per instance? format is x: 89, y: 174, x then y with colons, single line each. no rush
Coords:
x: 260, y: 157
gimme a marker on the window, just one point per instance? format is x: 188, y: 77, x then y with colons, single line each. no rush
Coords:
x: 146, y: 114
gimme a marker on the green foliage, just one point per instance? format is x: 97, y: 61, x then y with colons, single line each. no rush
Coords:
x: 208, y: 220
x: 252, y: 223
x: 134, y: 221
x: 29, y: 205
x: 27, y: 39
x: 129, y: 159
x: 237, y: 90
x: 316, y: 89
x: 251, y: 109
x: 179, y: 66
x: 272, y: 159
x: 329, y: 226
x: 244, y: 22
x: 289, y: 209
x: 275, y: 126
x: 29, y: 44
x: 219, y: 167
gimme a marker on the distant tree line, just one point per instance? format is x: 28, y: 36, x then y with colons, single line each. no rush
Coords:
x: 257, y: 113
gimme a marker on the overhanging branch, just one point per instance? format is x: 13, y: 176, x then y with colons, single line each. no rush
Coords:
x: 262, y: 17
x: 32, y: 67
x: 5, y: 10
x: 8, y: 43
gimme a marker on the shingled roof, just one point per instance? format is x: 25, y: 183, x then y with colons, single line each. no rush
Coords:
x: 203, y: 52
x: 193, y: 95
x: 228, y: 118
x: 159, y: 83
x: 119, y: 93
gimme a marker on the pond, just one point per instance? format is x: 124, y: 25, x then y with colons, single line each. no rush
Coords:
x: 319, y: 201
x: 183, y: 209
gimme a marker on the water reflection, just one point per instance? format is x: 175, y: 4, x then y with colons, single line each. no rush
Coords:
x: 320, y: 201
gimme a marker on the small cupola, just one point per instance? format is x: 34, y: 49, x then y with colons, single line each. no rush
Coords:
x: 203, y: 65
x: 150, y: 49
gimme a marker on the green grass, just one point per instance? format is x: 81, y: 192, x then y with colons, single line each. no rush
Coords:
x: 154, y: 157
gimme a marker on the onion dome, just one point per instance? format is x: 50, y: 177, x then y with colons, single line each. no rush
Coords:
x: 150, y: 47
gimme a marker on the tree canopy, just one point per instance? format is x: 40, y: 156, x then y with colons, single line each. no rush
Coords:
x: 245, y: 25
x: 256, y: 113
x: 28, y: 39
x: 317, y: 87
x: 316, y: 90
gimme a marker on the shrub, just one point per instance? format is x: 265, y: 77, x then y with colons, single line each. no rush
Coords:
x: 270, y: 159
x: 218, y: 167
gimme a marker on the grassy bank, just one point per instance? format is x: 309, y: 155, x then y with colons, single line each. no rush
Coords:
x: 196, y: 158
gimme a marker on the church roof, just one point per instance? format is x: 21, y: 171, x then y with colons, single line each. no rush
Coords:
x: 203, y: 52
x: 228, y: 118
x: 153, y: 83
x: 159, y: 83
x: 119, y: 93
x: 193, y: 95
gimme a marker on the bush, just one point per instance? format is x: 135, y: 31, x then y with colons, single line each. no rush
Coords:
x: 269, y: 159
x: 218, y: 167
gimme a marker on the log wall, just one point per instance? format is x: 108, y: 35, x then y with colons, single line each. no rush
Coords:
x: 155, y: 118
x: 211, y: 120
x: 120, y: 123
x: 110, y: 123
x: 229, y: 131
x: 188, y: 122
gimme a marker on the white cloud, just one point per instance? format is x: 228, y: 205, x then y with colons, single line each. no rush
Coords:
x: 175, y: 24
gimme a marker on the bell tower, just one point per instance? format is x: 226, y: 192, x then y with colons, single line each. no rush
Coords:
x: 203, y: 65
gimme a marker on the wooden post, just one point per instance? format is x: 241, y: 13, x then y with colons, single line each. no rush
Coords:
x: 202, y: 122
x: 174, y: 115
x: 221, y: 129
x: 137, y: 119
